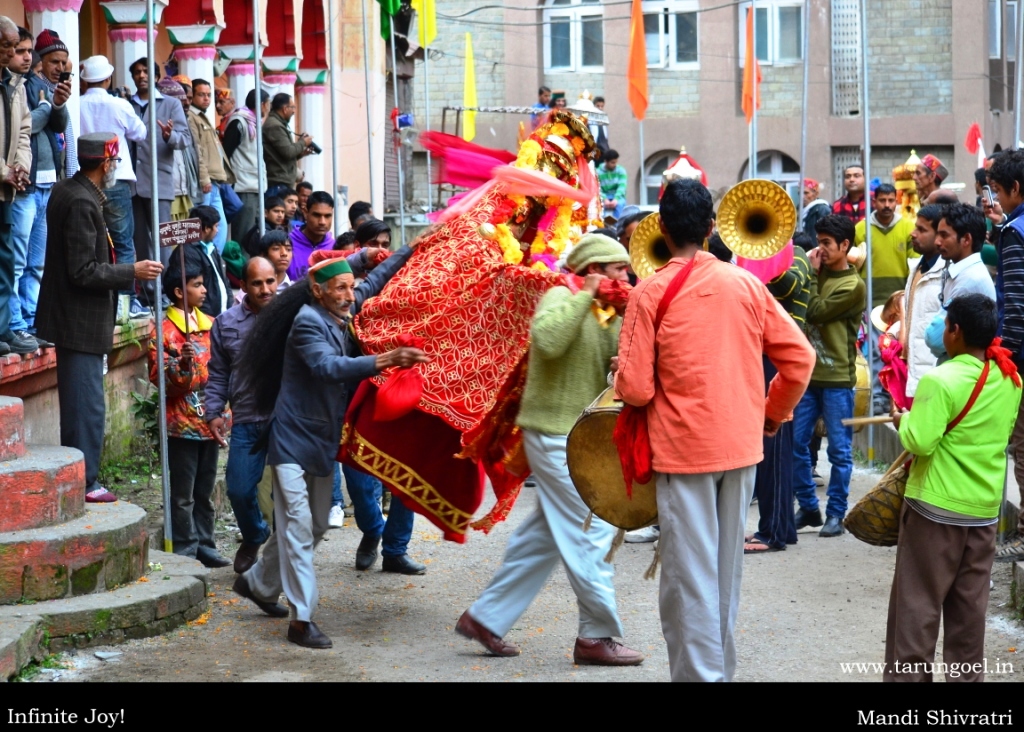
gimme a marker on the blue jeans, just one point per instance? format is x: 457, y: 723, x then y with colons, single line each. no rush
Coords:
x: 121, y: 224
x: 242, y: 475
x: 396, y: 531
x: 834, y: 405
x: 337, y: 497
x: 213, y: 199
x: 28, y: 240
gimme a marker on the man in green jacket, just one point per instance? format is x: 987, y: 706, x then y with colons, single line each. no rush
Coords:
x: 833, y: 319
x: 963, y: 413
x: 281, y: 151
x: 573, y: 338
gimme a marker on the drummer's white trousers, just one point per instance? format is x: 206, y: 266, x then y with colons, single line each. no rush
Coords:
x: 554, y: 531
x: 702, y: 519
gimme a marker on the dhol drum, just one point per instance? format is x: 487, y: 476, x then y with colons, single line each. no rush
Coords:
x: 596, y: 471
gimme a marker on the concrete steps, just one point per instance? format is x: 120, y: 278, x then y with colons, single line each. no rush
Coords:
x: 45, y: 486
x: 104, y: 547
x: 158, y: 602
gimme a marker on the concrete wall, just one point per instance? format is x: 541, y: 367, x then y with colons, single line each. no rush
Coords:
x: 127, y: 373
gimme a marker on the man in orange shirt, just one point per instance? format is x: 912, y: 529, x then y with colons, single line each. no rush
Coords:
x: 702, y: 380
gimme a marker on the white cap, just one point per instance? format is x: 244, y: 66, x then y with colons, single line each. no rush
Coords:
x: 96, y: 68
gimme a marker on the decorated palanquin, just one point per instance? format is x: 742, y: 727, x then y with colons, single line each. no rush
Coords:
x: 907, y: 200
x: 467, y: 295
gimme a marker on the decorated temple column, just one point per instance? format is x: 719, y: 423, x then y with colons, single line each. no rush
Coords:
x: 127, y: 21
x: 312, y: 104
x: 242, y: 79
x: 60, y: 16
x: 278, y: 83
x: 195, y: 49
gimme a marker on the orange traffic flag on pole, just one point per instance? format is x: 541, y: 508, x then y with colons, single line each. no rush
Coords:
x: 636, y: 72
x: 751, y: 73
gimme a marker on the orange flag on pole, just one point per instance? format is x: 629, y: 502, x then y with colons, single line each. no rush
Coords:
x: 636, y: 72
x: 751, y: 72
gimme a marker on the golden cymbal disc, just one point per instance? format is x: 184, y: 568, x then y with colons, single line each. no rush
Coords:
x: 756, y: 219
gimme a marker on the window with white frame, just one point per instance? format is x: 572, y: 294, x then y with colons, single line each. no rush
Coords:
x: 670, y: 32
x: 1011, y: 30
x: 778, y: 31
x: 777, y: 166
x: 657, y: 164
x: 995, y: 30
x: 573, y: 35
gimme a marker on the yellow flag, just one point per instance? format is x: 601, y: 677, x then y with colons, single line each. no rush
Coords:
x: 427, y: 21
x: 469, y: 93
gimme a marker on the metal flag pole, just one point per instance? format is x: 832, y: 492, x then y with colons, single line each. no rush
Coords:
x: 369, y: 113
x: 154, y: 217
x: 872, y: 345
x: 426, y: 94
x: 261, y: 167
x: 398, y: 145
x: 754, y: 90
x: 803, y: 116
x: 643, y: 182
x: 335, y: 173
x: 1018, y: 85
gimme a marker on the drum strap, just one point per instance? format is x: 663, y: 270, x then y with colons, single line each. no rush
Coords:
x: 971, y: 401
x: 631, y: 436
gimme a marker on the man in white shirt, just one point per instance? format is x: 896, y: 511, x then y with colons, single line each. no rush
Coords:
x: 102, y: 112
x: 959, y: 236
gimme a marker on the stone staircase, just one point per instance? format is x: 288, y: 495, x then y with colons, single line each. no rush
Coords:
x: 72, y: 573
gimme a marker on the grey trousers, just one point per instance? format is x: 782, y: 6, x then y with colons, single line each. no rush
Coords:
x: 702, y: 519
x: 247, y: 217
x: 82, y: 409
x: 553, y: 532
x: 193, y: 475
x: 301, y: 505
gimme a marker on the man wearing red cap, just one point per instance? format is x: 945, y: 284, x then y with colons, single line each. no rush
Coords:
x: 76, y: 300
x: 309, y: 391
x: 928, y: 176
x: 51, y: 137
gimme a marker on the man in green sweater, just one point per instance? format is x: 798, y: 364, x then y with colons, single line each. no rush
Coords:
x: 573, y: 338
x: 963, y: 413
x: 833, y: 318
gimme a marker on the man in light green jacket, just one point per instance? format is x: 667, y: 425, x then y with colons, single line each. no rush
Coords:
x: 963, y: 413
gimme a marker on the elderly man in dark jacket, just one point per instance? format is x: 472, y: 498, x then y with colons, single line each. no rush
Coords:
x: 321, y: 365
x: 77, y: 298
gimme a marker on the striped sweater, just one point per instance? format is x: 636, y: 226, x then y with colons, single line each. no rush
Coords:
x: 1010, y: 283
x: 792, y: 288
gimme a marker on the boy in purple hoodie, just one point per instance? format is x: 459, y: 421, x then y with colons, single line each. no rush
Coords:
x: 315, y: 234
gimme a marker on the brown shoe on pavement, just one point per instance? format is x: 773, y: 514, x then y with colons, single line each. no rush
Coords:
x: 471, y: 629
x: 604, y: 652
x: 246, y: 556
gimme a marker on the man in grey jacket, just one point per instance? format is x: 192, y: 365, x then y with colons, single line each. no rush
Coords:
x: 173, y: 134
x: 321, y: 365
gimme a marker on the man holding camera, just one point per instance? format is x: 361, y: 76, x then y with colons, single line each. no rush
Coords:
x: 281, y: 152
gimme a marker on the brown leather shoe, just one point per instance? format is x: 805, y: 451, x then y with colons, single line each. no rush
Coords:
x: 471, y: 629
x: 246, y: 556
x: 604, y: 652
x: 308, y: 635
x: 273, y: 609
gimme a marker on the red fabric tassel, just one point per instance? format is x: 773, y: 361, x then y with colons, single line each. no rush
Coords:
x: 633, y: 442
x: 1003, y: 359
x: 403, y: 389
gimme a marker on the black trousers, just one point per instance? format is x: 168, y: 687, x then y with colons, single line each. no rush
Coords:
x: 773, y: 485
x: 82, y: 411
x: 193, y: 474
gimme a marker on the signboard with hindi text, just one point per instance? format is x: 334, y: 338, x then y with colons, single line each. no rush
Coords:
x: 186, y: 231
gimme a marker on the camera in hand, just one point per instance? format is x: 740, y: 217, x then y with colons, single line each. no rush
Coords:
x: 314, y: 148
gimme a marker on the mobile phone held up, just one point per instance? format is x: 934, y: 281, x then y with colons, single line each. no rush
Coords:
x: 987, y: 197
x: 64, y: 76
